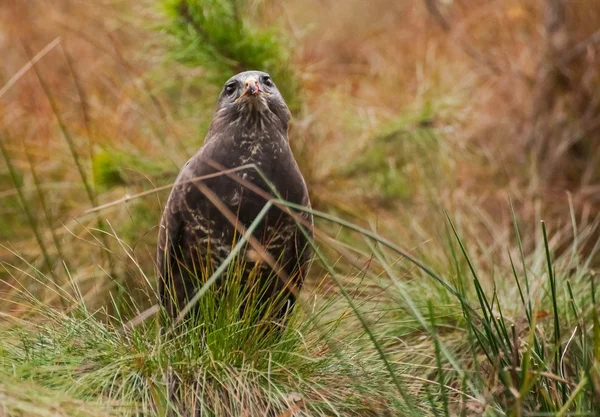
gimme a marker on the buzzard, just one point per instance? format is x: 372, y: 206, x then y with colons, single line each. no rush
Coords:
x: 213, y: 201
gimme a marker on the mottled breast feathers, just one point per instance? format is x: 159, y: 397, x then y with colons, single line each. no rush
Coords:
x: 198, y: 227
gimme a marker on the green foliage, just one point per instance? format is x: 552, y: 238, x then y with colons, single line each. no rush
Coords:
x: 403, y: 157
x: 441, y: 344
x: 218, y: 35
x: 535, y: 370
x: 107, y: 170
x: 141, y: 219
x: 225, y: 365
x: 114, y: 167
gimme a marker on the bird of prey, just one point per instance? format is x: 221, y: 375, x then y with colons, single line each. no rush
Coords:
x: 204, y: 218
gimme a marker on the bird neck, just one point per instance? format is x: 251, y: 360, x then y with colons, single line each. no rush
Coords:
x: 250, y: 126
x: 255, y: 122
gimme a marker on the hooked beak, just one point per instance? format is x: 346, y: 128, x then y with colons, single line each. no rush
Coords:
x: 252, y: 88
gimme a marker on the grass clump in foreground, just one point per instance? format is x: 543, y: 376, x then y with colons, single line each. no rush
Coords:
x: 223, y: 365
x: 478, y: 339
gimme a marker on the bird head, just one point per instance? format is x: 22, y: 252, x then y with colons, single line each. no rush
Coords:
x: 252, y: 93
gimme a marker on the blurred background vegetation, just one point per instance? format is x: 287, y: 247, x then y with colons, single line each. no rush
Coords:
x: 403, y: 111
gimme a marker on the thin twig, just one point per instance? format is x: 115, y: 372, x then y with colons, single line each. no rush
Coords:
x: 127, y: 198
x: 29, y: 65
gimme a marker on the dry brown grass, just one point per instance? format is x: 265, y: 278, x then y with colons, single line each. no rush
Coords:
x: 508, y: 130
x: 363, y: 66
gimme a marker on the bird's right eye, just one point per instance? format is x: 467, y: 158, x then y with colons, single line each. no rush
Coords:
x: 230, y: 89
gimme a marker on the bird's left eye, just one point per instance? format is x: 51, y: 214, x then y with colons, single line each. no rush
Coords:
x: 230, y: 89
x: 267, y: 81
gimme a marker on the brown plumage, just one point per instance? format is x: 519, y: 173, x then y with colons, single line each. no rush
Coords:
x: 250, y: 126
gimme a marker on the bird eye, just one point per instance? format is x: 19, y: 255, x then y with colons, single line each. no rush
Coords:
x: 230, y: 89
x: 267, y: 81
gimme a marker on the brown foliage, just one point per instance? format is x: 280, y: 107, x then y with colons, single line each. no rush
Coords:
x: 512, y: 87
